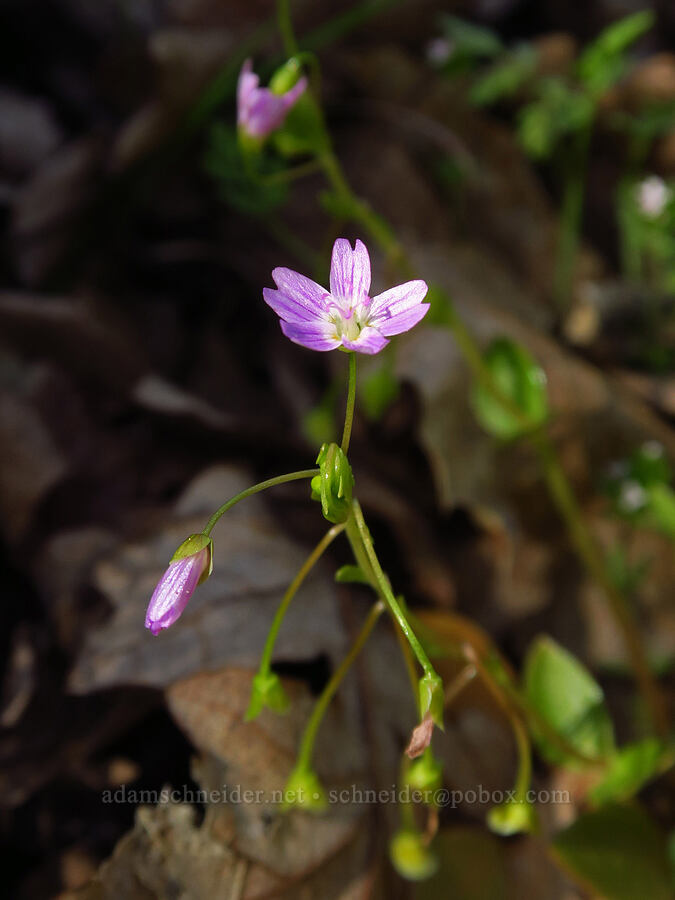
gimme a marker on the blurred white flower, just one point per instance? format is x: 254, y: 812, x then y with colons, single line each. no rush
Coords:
x: 652, y: 195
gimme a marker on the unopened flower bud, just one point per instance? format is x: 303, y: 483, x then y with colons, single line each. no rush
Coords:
x: 267, y: 692
x: 191, y: 564
x: 304, y: 789
x: 411, y: 857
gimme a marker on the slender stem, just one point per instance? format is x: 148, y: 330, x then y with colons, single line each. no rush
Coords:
x: 305, y: 569
x: 587, y: 549
x: 351, y: 398
x: 286, y: 27
x: 309, y: 735
x: 384, y: 588
x: 571, y: 216
x: 255, y: 489
x: 559, y: 487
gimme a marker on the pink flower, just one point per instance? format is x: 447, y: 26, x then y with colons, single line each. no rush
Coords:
x: 259, y: 110
x: 346, y: 316
x: 186, y: 570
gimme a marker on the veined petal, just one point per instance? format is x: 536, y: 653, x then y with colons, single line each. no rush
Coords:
x: 263, y: 112
x: 396, y: 300
x: 316, y: 335
x: 247, y: 83
x: 289, y: 309
x: 175, y: 588
x: 349, y: 272
x: 400, y: 322
x: 302, y: 291
x: 369, y: 341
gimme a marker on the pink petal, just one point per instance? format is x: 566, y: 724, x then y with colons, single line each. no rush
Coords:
x: 298, y: 298
x: 317, y: 335
x: 349, y: 272
x: 369, y: 341
x: 174, y: 590
x: 397, y: 299
x: 400, y: 322
x: 247, y: 83
x: 292, y: 96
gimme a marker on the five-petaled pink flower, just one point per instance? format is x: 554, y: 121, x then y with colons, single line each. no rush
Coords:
x: 346, y: 316
x: 259, y: 110
x: 186, y: 570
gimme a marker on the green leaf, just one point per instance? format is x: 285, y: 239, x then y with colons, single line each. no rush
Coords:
x: 661, y: 508
x: 504, y: 77
x: 619, y: 852
x: 604, y: 61
x: 564, y: 693
x: 520, y: 379
x: 303, y: 130
x: 243, y: 190
x: 351, y: 575
x: 631, y: 768
x: 469, y: 41
x: 557, y: 112
x: 471, y: 867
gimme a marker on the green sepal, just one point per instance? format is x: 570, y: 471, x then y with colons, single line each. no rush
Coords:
x: 333, y: 486
x: 432, y: 698
x: 303, y: 130
x: 512, y: 817
x: 303, y: 789
x: 411, y: 857
x: 193, y: 545
x: 425, y: 773
x: 351, y: 575
x: 267, y: 692
x: 286, y: 76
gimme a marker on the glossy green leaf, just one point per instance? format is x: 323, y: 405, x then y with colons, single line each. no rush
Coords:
x: 565, y: 694
x: 631, y: 768
x: 619, y: 852
x: 522, y: 381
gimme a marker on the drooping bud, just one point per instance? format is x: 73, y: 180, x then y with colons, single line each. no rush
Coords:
x: 304, y: 789
x: 411, y: 857
x: 190, y: 565
x: 267, y: 692
x: 426, y: 773
x: 333, y: 486
x: 260, y: 111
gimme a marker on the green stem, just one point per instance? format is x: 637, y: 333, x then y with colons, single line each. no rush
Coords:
x: 571, y: 216
x: 589, y: 552
x: 255, y: 489
x: 558, y: 485
x: 309, y: 736
x: 286, y: 27
x: 351, y: 398
x: 360, y: 534
x: 294, y: 586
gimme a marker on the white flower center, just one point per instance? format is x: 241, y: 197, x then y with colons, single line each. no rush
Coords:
x: 349, y: 321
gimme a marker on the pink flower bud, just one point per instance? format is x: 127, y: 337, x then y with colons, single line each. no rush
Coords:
x: 190, y: 565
